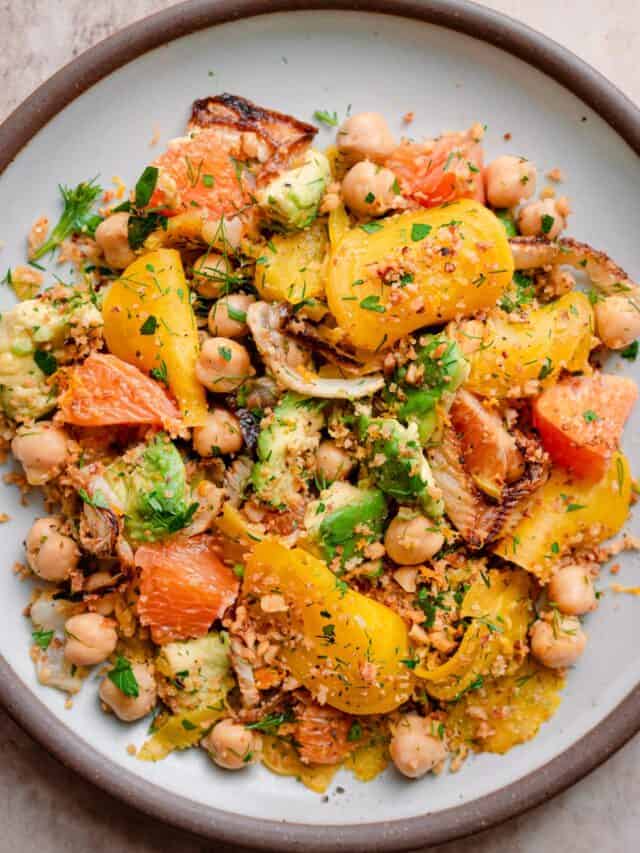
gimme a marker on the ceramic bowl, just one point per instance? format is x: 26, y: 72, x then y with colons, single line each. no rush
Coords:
x: 451, y: 63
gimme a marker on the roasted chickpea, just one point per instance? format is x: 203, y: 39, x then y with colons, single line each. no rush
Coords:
x: 224, y: 234
x: 618, y: 320
x: 91, y: 638
x: 509, y: 180
x: 414, y: 750
x: 231, y: 745
x: 369, y: 189
x: 223, y: 365
x: 557, y: 643
x: 130, y: 708
x: 211, y: 274
x: 332, y: 463
x: 228, y: 316
x: 219, y: 434
x: 571, y: 590
x: 365, y: 136
x: 545, y: 218
x: 51, y: 555
x: 112, y: 235
x: 42, y: 449
x: 412, y: 539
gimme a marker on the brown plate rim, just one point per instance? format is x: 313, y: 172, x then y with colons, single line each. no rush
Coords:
x: 30, y: 713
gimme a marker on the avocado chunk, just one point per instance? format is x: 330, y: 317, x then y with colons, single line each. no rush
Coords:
x: 344, y: 520
x: 292, y: 199
x: 286, y: 450
x: 397, y: 464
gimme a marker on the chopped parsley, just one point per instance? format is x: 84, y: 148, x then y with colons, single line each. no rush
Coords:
x: 145, y: 186
x: 371, y: 227
x: 355, y: 732
x: 272, y: 722
x: 124, y: 678
x: 590, y: 416
x: 149, y: 326
x: 42, y: 639
x: 547, y: 223
x: 324, y: 116
x: 630, y: 352
x: 372, y: 303
x: 160, y: 373
x: 419, y: 230
x: 546, y: 369
x: 225, y: 353
x: 47, y: 362
x: 369, y: 198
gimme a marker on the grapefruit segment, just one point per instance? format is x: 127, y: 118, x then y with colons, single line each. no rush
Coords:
x: 436, y: 173
x: 184, y: 587
x: 580, y: 420
x: 106, y: 391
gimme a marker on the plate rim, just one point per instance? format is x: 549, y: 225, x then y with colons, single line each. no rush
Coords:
x: 31, y: 714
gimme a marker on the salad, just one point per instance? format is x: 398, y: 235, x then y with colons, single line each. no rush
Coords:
x: 327, y: 453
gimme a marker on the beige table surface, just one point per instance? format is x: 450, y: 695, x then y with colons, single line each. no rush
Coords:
x: 46, y: 809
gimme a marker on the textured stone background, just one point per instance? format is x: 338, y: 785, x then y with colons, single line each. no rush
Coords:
x: 46, y: 809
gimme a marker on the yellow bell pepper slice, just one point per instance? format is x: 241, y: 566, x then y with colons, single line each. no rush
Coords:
x: 566, y: 512
x: 500, y: 611
x: 344, y: 647
x: 517, y: 357
x: 280, y: 757
x: 416, y: 269
x: 339, y: 225
x: 292, y: 267
x: 532, y: 695
x: 149, y: 322
x: 180, y: 732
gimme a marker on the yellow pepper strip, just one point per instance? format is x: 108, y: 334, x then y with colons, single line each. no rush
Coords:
x: 342, y: 646
x: 280, y: 757
x: 532, y: 695
x: 500, y: 613
x: 518, y: 357
x: 339, y: 225
x: 149, y: 322
x: 567, y: 512
x: 416, y: 269
x: 292, y: 267
x: 179, y: 732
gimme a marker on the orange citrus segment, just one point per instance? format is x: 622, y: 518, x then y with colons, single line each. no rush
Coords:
x: 184, y: 587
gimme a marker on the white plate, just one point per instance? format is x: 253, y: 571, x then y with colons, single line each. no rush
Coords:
x: 299, y: 62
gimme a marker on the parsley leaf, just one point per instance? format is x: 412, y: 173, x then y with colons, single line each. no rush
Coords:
x: 590, y: 416
x: 372, y: 303
x: 326, y: 117
x: 547, y: 223
x: 371, y: 227
x: 419, y: 231
x: 160, y: 374
x: 124, y: 678
x: 355, y: 732
x: 149, y: 326
x: 47, y: 362
x: 145, y: 186
x: 272, y: 722
x: 546, y: 369
x: 630, y: 352
x: 42, y: 639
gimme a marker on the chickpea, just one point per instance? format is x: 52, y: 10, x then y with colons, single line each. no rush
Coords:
x: 231, y: 745
x: 112, y: 235
x: 51, y: 554
x: 571, y: 589
x: 130, y: 708
x: 332, y: 463
x: 533, y: 221
x: 224, y: 234
x: 223, y: 365
x: 414, y: 750
x: 368, y: 189
x: 617, y: 321
x: 508, y: 180
x: 410, y: 540
x: 365, y: 136
x: 210, y: 275
x: 558, y: 643
x: 220, y: 433
x: 228, y: 316
x: 91, y: 638
x: 42, y: 450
